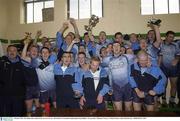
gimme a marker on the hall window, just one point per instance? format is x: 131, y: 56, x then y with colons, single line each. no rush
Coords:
x: 150, y: 7
x: 82, y: 9
x: 34, y: 9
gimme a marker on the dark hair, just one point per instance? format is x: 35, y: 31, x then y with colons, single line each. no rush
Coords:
x: 82, y: 53
x: 170, y: 32
x: 11, y: 46
x: 46, y: 49
x: 101, y: 50
x: 86, y: 33
x: 126, y: 37
x: 66, y: 52
x: 115, y: 43
x: 117, y: 33
x: 81, y: 45
x: 109, y: 44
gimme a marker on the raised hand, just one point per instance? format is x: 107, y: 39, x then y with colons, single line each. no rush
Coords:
x: 72, y: 21
x: 27, y: 38
x: 76, y: 40
x: 65, y: 25
x: 39, y: 33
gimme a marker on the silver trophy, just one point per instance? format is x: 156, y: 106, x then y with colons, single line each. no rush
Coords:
x: 92, y: 23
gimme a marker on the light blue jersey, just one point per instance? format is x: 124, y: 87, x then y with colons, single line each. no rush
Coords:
x: 119, y: 68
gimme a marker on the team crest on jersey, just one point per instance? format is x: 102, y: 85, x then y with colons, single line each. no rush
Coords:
x: 117, y: 65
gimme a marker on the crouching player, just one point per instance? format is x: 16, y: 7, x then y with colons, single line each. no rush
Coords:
x: 147, y: 81
x: 95, y: 84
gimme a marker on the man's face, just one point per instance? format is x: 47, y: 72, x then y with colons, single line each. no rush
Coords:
x: 33, y: 52
x: 12, y: 52
x: 81, y: 59
x: 45, y: 54
x: 68, y: 39
x: 47, y: 44
x: 170, y: 38
x: 103, y: 52
x: 82, y: 49
x: 143, y: 44
x: 94, y: 65
x: 86, y: 38
x: 102, y: 37
x: 109, y: 49
x: 66, y: 59
x: 123, y: 50
x: 133, y: 38
x: 143, y: 61
x: 116, y: 48
x: 151, y: 35
x: 119, y: 38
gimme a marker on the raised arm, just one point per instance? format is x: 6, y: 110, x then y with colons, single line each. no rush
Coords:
x: 59, y: 35
x: 64, y: 27
x: 38, y: 34
x: 24, y: 51
x: 73, y: 23
x: 76, y: 40
x: 158, y: 40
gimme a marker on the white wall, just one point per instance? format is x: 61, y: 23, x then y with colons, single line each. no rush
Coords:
x: 119, y: 15
x: 3, y: 18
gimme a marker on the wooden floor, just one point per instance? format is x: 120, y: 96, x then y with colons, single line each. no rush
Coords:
x: 105, y: 113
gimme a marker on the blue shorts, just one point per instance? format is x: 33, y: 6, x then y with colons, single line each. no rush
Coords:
x: 52, y: 95
x: 32, y: 92
x: 170, y: 72
x: 148, y: 100
x: 122, y: 93
x: 44, y: 97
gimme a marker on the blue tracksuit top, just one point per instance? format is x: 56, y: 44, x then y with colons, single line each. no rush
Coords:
x: 64, y: 80
x: 151, y: 79
x: 86, y: 85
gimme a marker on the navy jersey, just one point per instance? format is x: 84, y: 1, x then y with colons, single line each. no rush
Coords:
x: 145, y: 79
x: 64, y: 80
x: 88, y: 85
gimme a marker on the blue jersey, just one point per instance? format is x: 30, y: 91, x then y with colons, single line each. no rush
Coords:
x: 153, y: 54
x: 90, y: 49
x: 105, y: 62
x: 135, y: 46
x: 119, y: 70
x: 168, y: 53
x: 100, y: 45
x: 45, y: 76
